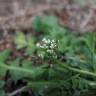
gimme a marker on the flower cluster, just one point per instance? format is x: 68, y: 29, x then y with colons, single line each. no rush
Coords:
x: 48, y: 45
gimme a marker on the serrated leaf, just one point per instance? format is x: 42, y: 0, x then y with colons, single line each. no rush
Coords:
x: 25, y: 70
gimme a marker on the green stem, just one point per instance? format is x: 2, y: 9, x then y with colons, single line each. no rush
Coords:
x: 78, y: 70
x: 52, y: 82
x: 91, y: 83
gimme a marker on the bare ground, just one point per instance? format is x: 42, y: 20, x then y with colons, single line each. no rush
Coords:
x: 18, y: 14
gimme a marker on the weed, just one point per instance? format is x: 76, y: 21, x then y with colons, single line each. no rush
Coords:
x: 66, y: 63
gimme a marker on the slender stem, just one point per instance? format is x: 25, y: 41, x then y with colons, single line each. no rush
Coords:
x: 78, y: 70
x: 91, y: 83
x: 52, y: 82
x: 17, y: 91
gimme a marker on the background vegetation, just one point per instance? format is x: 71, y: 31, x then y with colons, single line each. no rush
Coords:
x: 54, y: 62
x: 47, y: 48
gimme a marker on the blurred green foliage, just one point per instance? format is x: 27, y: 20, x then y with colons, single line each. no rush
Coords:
x: 71, y: 73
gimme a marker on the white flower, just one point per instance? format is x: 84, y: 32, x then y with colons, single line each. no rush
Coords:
x: 44, y: 39
x: 51, y: 65
x: 47, y: 41
x: 50, y: 51
x: 48, y: 45
x: 53, y: 41
x: 41, y: 55
x: 52, y: 46
x: 38, y: 44
x: 46, y: 86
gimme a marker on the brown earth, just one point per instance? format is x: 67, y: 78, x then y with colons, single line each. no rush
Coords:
x: 14, y: 14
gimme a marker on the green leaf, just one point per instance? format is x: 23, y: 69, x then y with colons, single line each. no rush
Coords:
x: 15, y: 74
x: 20, y: 40
x: 52, y: 73
x: 30, y: 45
x: 26, y: 70
x: 4, y: 55
x: 45, y: 23
x: 1, y: 84
x: 2, y: 93
x: 2, y: 71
